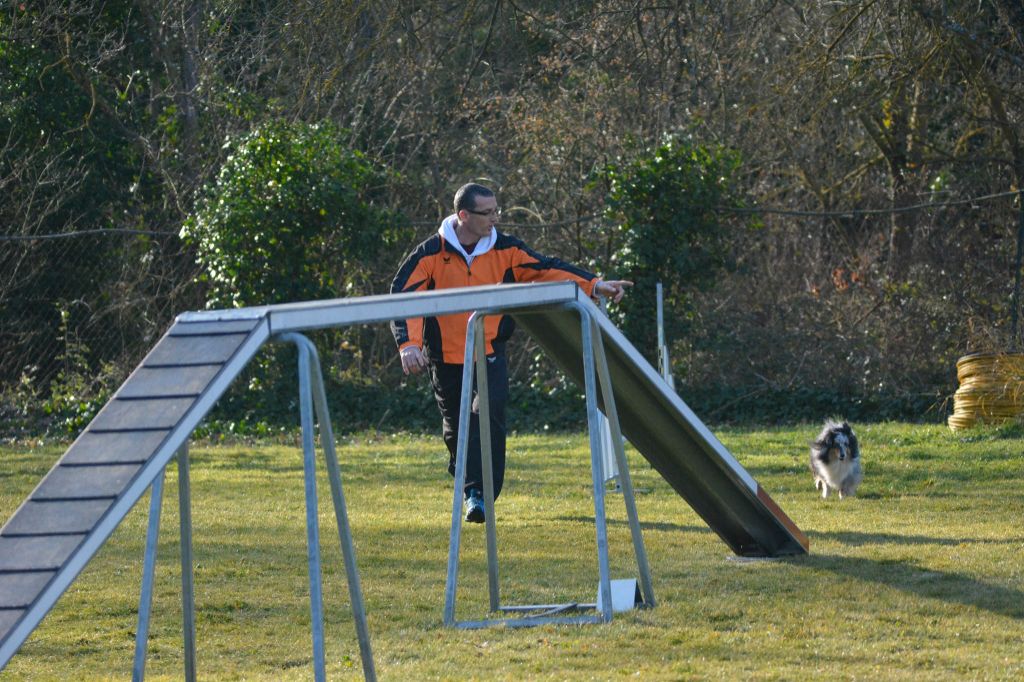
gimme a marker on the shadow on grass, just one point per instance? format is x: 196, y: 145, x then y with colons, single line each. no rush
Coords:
x: 856, y: 539
x: 905, y: 576
x: 672, y: 527
x: 241, y: 459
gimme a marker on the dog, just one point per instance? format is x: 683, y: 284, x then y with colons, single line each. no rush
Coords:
x: 835, y: 460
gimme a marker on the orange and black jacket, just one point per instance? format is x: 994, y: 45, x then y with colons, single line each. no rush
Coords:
x: 436, y: 264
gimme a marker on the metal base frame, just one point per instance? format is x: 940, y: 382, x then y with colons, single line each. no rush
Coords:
x: 594, y: 362
x: 311, y: 396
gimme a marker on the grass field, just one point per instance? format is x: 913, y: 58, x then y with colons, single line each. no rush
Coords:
x: 920, y: 577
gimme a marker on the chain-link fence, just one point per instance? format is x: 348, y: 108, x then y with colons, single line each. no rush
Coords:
x: 78, y: 311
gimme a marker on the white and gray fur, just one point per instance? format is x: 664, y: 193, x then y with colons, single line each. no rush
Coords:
x: 835, y: 460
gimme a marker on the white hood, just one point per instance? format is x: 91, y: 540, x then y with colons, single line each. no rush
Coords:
x: 447, y: 231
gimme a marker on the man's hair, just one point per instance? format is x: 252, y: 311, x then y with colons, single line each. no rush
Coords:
x: 465, y: 197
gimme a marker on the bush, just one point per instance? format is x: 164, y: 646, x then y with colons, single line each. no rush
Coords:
x: 293, y: 215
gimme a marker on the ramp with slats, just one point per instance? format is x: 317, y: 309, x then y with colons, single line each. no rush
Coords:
x: 671, y: 437
x: 70, y: 514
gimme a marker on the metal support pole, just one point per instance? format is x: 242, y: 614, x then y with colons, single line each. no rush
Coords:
x: 604, y: 586
x: 486, y: 466
x: 188, y: 601
x: 188, y: 597
x: 312, y: 395
x: 460, y: 478
x: 316, y: 606
x: 611, y: 467
x: 661, y: 325
x: 625, y: 480
x: 664, y: 365
x: 156, y: 496
x: 355, y: 590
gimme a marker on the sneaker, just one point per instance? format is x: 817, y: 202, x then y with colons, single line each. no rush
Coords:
x: 474, y: 506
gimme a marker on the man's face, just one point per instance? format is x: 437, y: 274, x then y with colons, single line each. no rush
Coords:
x: 479, y: 220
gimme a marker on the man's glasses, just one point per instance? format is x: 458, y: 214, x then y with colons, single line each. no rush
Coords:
x: 495, y: 212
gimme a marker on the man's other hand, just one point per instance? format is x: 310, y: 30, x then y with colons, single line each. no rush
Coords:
x: 613, y: 289
x: 413, y: 360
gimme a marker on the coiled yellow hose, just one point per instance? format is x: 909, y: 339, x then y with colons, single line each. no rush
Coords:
x: 991, y: 390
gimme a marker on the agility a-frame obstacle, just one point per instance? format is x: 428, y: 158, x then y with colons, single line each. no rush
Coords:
x: 125, y: 449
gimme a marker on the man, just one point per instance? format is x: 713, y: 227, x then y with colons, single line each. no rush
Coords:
x: 468, y: 251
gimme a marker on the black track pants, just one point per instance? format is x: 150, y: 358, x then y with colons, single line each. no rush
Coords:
x: 447, y: 382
